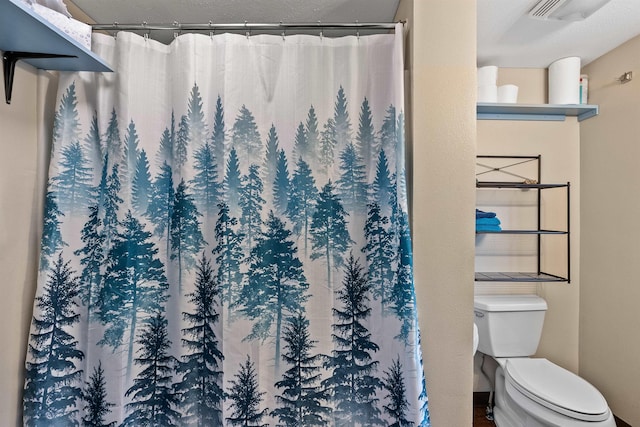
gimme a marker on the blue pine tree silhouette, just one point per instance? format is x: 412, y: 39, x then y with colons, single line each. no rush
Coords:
x: 181, y: 143
x: 91, y: 257
x: 186, y: 237
x: 276, y: 286
x: 134, y: 287
x: 313, y: 136
x: 160, y: 209
x: 200, y: 390
x: 388, y: 131
x: 328, y: 143
x: 329, y: 235
x: 398, y: 405
x: 246, y: 398
x: 93, y: 142
x: 352, y: 384
x: 74, y: 181
x: 219, y: 137
x: 251, y: 203
x: 112, y: 140
x: 141, y: 187
x: 94, y: 395
x: 66, y: 127
x: 301, y: 146
x: 206, y: 188
x: 341, y: 120
x: 382, y: 186
x: 302, y: 197
x: 365, y: 138
x: 425, y: 421
x: 51, y: 236
x: 281, y: 184
x: 402, y: 296
x: 379, y: 253
x: 352, y: 184
x: 152, y: 398
x: 271, y: 157
x: 111, y: 202
x: 229, y: 255
x: 131, y: 152
x: 232, y: 183
x: 195, y: 115
x: 51, y: 376
x: 400, y: 130
x: 167, y: 142
x: 245, y: 135
x: 100, y: 192
x: 301, y: 401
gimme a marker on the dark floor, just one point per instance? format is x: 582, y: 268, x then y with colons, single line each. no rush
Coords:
x: 479, y: 418
x: 479, y: 410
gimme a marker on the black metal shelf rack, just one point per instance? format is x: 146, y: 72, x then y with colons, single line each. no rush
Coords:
x: 539, y: 231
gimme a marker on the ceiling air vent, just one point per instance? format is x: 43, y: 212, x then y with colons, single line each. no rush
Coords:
x: 565, y: 10
x: 544, y: 8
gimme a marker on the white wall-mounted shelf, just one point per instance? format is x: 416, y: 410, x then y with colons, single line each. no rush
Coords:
x: 541, y: 112
x: 24, y: 31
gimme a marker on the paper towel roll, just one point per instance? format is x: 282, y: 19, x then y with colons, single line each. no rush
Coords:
x: 487, y: 75
x: 508, y: 94
x: 488, y: 93
x: 564, y: 81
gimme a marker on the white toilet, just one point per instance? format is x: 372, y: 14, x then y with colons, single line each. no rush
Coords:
x: 532, y: 392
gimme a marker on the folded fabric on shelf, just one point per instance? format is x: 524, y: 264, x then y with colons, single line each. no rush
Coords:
x: 487, y: 227
x: 482, y: 214
x: 487, y: 221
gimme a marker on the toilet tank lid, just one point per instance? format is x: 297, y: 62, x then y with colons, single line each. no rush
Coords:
x: 509, y: 303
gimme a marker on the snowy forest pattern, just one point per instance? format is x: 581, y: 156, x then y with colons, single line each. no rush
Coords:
x: 221, y: 276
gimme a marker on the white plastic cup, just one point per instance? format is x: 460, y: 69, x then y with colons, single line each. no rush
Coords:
x: 488, y: 93
x: 487, y: 75
x: 508, y: 94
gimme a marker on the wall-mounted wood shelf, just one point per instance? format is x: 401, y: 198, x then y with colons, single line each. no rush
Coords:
x: 540, y: 112
x: 26, y: 36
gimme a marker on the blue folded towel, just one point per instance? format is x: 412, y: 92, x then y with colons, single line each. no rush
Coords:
x: 487, y: 227
x: 487, y: 221
x: 482, y: 214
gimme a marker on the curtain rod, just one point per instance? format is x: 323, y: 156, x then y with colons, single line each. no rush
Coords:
x: 246, y: 26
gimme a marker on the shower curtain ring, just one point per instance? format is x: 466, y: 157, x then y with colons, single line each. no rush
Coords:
x: 211, y: 30
x: 176, y: 33
x: 357, y: 31
x: 115, y: 31
x: 145, y: 35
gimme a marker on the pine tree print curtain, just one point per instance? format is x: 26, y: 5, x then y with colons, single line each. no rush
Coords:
x: 226, y: 239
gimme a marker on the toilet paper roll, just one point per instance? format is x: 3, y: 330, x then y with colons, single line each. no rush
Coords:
x: 564, y: 81
x: 488, y: 93
x: 488, y: 75
x: 508, y: 94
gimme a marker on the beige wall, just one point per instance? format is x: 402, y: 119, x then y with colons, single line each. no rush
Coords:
x: 610, y: 290
x: 443, y: 52
x: 18, y: 235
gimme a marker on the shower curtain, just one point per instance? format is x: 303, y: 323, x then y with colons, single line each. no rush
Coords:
x: 226, y: 238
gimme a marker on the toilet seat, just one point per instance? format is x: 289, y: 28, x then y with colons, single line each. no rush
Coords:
x: 556, y: 389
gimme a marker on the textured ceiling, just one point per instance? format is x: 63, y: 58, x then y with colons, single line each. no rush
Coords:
x: 238, y: 11
x: 506, y: 36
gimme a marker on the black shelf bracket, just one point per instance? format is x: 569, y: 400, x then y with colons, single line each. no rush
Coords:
x: 9, y: 60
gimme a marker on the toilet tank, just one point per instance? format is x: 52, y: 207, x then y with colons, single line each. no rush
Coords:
x: 509, y: 325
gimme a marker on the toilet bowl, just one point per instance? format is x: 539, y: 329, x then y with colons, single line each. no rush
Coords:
x: 532, y: 392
